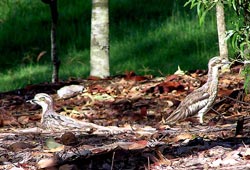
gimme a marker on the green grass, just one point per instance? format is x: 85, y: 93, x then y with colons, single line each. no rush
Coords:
x: 148, y: 37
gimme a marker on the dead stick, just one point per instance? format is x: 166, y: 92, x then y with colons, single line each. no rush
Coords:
x: 238, y: 101
x: 113, y: 158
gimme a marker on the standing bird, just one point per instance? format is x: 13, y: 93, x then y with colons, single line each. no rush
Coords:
x: 56, y: 122
x: 201, y: 99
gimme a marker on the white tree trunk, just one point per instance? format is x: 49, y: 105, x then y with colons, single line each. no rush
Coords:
x: 99, y: 50
x: 221, y: 28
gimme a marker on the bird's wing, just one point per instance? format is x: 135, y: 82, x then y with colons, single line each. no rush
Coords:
x: 194, y: 102
x: 67, y: 122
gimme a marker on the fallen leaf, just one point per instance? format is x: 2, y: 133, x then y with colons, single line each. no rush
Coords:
x: 134, y: 145
x: 69, y: 91
x: 160, y: 161
x: 94, y: 78
x: 18, y: 146
x: 46, y: 163
x: 69, y: 139
x: 130, y: 75
x: 172, y: 77
x: 247, y: 98
x: 224, y: 92
x: 144, y: 111
x: 183, y: 136
x: 7, y: 119
x: 53, y: 145
x: 168, y: 86
x: 246, y: 155
x: 23, y: 120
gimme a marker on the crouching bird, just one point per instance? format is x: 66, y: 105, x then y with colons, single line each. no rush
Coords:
x: 200, y: 100
x: 56, y: 122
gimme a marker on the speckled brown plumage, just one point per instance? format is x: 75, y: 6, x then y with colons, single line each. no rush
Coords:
x: 56, y: 122
x: 200, y: 100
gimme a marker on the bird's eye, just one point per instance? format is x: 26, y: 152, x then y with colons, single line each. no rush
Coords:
x: 42, y: 98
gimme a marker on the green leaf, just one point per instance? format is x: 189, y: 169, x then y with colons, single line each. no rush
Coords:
x: 188, y: 2
x: 52, y: 144
x: 234, y: 41
x: 202, y: 17
x: 229, y: 34
x: 234, y: 5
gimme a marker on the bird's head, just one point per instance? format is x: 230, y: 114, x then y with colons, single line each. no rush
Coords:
x: 217, y: 62
x: 44, y: 100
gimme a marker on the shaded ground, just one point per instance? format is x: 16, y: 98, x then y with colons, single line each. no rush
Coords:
x: 136, y: 102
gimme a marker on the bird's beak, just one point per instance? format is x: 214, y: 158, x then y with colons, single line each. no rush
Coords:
x: 32, y: 101
x: 225, y: 61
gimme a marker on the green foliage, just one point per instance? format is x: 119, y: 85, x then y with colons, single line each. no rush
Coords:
x: 202, y: 7
x: 148, y: 37
x: 246, y: 73
x: 240, y: 34
x: 240, y: 40
x: 239, y: 5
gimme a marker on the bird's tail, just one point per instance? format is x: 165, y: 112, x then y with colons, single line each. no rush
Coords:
x: 175, y: 117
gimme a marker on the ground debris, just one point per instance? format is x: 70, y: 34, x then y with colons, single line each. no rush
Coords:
x: 137, y: 105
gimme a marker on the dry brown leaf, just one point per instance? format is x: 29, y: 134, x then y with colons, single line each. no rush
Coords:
x: 143, y: 111
x: 97, y: 88
x: 46, y: 163
x: 69, y: 139
x: 224, y: 92
x: 246, y: 155
x: 172, y: 77
x: 160, y: 161
x: 23, y: 120
x: 247, y: 98
x: 134, y: 145
x: 183, y: 136
x: 225, y: 83
x: 94, y: 78
x: 18, y: 146
x: 169, y: 86
x: 36, y: 117
x: 7, y: 119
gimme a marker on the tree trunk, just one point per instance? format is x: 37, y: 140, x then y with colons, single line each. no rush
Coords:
x: 221, y: 28
x: 99, y: 50
x: 54, y: 57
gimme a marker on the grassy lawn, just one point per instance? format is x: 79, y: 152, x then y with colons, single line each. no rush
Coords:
x: 148, y: 37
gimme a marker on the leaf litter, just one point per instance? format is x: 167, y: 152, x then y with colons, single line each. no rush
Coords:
x: 139, y: 105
